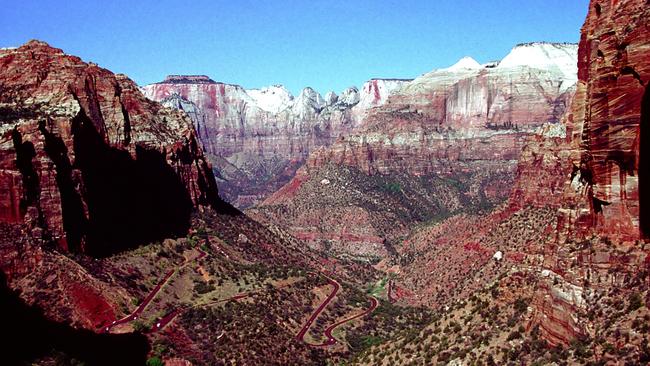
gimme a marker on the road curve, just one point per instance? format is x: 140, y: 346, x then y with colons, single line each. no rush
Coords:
x: 321, y: 307
x: 328, y: 331
x: 134, y: 315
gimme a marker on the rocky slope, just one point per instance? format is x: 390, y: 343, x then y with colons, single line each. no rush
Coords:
x: 565, y: 262
x: 450, y: 138
x: 258, y: 138
x: 111, y: 224
x: 91, y: 161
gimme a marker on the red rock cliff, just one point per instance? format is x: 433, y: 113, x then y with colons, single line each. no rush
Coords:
x: 614, y: 65
x: 102, y: 165
x: 595, y: 175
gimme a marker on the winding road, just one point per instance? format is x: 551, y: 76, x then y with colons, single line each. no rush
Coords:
x: 152, y: 294
x: 321, y: 307
x: 328, y: 331
x: 165, y: 320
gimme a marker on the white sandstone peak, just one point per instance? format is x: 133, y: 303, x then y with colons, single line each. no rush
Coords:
x: 375, y: 92
x: 274, y: 98
x: 558, y: 57
x: 331, y: 98
x: 349, y: 96
x: 465, y: 63
x: 308, y: 103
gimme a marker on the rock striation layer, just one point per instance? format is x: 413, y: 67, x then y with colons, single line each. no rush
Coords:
x: 597, y: 171
x: 84, y: 155
x: 615, y: 73
x: 461, y: 129
x: 258, y: 138
x: 597, y: 164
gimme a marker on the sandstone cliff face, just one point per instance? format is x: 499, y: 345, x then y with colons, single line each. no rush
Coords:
x: 593, y: 175
x: 598, y: 163
x: 258, y: 138
x: 102, y: 167
x: 461, y: 129
x: 615, y: 69
x: 524, y: 90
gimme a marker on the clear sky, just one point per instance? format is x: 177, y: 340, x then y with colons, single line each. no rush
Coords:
x: 325, y: 44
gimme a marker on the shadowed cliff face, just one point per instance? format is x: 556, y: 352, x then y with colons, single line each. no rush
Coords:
x: 130, y: 201
x: 25, y: 152
x: 99, y: 166
x: 30, y: 336
x: 74, y: 220
x: 644, y: 166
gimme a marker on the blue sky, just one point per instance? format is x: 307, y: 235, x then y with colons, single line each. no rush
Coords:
x: 326, y: 44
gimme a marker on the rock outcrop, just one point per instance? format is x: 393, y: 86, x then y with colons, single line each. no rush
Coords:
x: 258, y: 138
x: 614, y: 68
x: 461, y: 129
x: 600, y: 170
x: 84, y: 155
x: 593, y: 168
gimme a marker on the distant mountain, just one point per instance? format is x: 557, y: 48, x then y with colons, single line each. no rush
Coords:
x: 257, y: 138
x: 444, y: 143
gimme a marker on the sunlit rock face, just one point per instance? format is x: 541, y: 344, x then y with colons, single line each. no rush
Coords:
x: 611, y: 120
x: 461, y: 129
x: 599, y: 165
x: 258, y: 138
x: 88, y: 160
x: 594, y: 174
x: 526, y: 89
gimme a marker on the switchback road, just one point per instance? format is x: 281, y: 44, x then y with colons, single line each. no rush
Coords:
x: 152, y: 294
x: 328, y: 331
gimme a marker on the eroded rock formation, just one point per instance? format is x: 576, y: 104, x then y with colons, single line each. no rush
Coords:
x: 593, y: 175
x: 87, y: 157
x: 614, y: 66
x: 451, y: 138
x: 258, y: 138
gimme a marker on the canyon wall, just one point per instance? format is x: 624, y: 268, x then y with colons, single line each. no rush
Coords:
x: 258, y: 138
x: 447, y: 142
x: 597, y: 165
x: 593, y: 176
x: 88, y: 160
x: 614, y: 65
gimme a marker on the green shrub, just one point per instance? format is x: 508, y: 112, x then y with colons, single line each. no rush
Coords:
x: 139, y: 326
x: 392, y: 188
x: 635, y: 302
x: 203, y: 288
x: 154, y: 361
x: 521, y: 305
x: 514, y: 335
